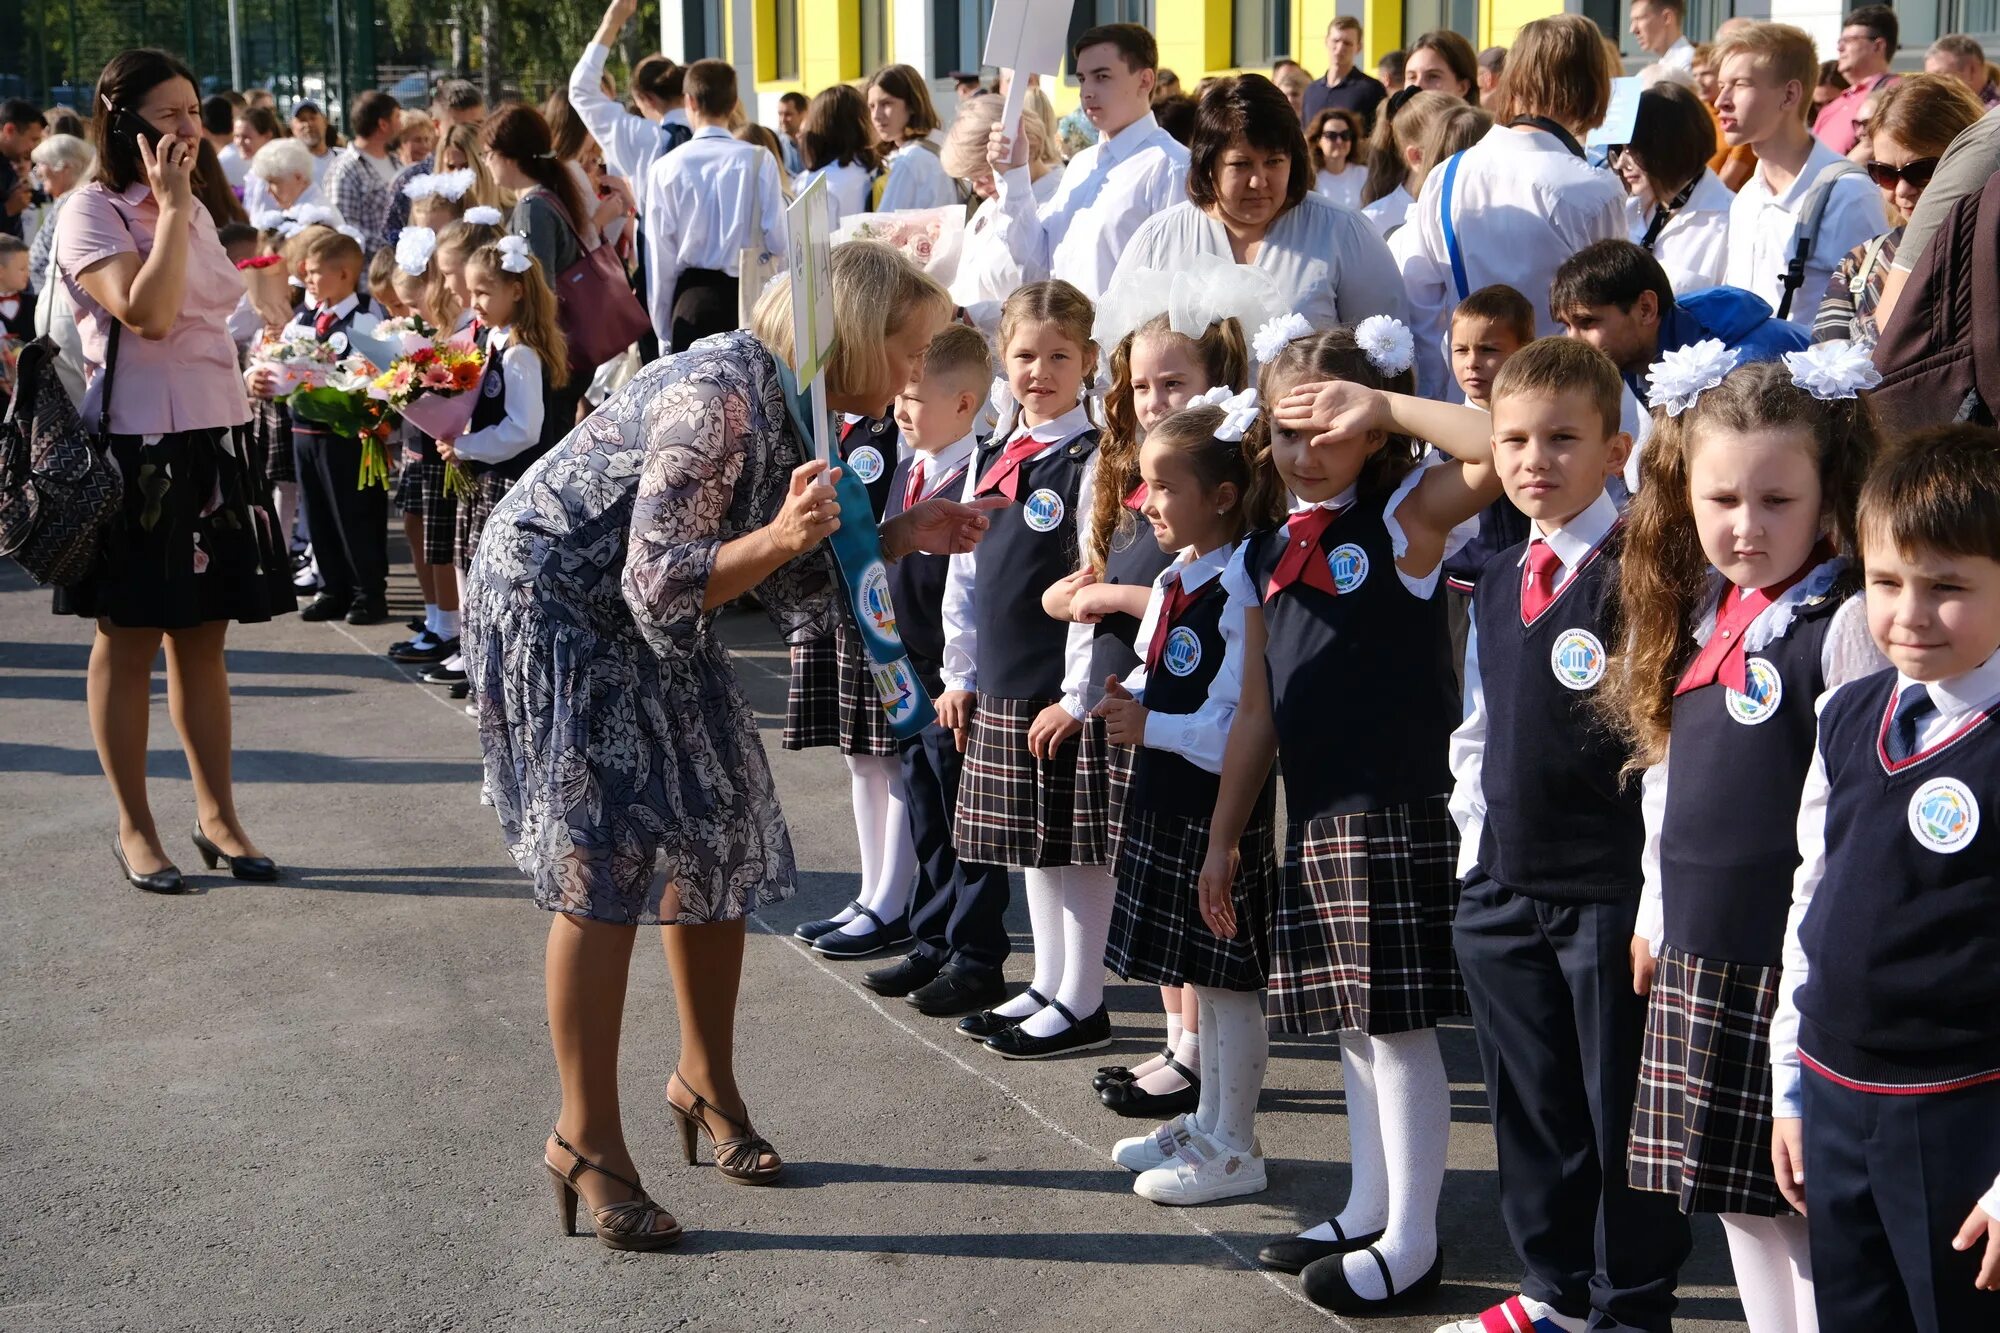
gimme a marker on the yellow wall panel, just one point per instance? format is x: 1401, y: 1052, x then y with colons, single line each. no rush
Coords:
x: 1500, y: 20
x: 1381, y: 29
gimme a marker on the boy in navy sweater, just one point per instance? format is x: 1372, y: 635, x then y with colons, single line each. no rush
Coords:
x: 1885, y: 1049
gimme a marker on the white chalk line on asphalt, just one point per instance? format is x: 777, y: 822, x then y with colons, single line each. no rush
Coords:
x: 451, y: 706
x: 1181, y: 1215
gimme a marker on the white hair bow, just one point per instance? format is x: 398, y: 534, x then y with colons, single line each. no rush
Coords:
x: 1239, y: 414
x: 422, y: 186
x: 353, y: 233
x: 514, y: 254
x: 268, y: 219
x: 1275, y: 333
x: 1686, y: 373
x: 1835, y: 369
x: 414, y: 247
x: 483, y: 215
x: 1194, y: 297
x: 1387, y: 343
x: 452, y: 185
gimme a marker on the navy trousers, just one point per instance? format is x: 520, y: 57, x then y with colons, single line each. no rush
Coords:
x: 1889, y: 1179
x: 1560, y: 1033
x: 350, y: 523
x: 957, y: 913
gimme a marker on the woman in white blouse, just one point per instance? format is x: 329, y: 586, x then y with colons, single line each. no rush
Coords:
x: 1250, y: 201
x: 905, y: 123
x: 1339, y: 154
x: 988, y: 272
x: 1675, y: 206
x: 835, y: 143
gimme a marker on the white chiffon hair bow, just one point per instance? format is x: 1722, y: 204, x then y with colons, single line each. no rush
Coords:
x: 514, y: 254
x: 1274, y: 334
x: 1239, y: 414
x: 483, y: 215
x: 1835, y: 369
x: 1681, y: 376
x: 1194, y: 297
x: 1387, y: 343
x: 414, y: 248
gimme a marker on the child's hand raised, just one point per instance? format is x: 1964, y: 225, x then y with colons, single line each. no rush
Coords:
x: 1333, y: 411
x: 1124, y: 717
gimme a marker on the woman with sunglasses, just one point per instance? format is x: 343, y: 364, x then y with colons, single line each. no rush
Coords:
x: 1338, y: 155
x: 1914, y: 120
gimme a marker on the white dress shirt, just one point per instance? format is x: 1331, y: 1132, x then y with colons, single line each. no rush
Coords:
x: 1957, y: 699
x: 1694, y: 245
x: 1107, y: 191
x: 697, y: 213
x: 1849, y: 653
x: 1391, y: 211
x: 1762, y: 223
x: 960, y: 668
x: 521, y: 371
x: 1326, y: 259
x: 988, y: 272
x: 631, y: 143
x: 1572, y: 542
x: 235, y: 169
x: 302, y: 323
x: 917, y: 179
x: 1679, y: 56
x: 942, y: 469
x: 1343, y: 187
x: 847, y: 187
x: 1198, y: 737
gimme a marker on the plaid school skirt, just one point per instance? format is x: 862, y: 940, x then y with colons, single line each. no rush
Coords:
x: 1015, y: 809
x: 1157, y: 931
x: 1701, y: 1125
x: 812, y: 697
x: 864, y: 723
x: 1090, y: 838
x: 488, y: 489
x: 1361, y: 938
x: 267, y: 437
x: 420, y: 491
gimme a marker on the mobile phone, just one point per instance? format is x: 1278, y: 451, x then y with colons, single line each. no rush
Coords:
x: 128, y: 122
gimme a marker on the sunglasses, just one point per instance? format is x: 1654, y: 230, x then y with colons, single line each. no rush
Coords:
x: 1336, y: 136
x: 1916, y: 174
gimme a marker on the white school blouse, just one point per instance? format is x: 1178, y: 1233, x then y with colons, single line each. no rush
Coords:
x: 1694, y: 245
x: 847, y: 188
x: 1391, y: 211
x: 1762, y: 221
x: 1201, y: 736
x: 988, y: 272
x: 1326, y: 258
x: 1343, y: 187
x: 521, y: 371
x: 917, y: 179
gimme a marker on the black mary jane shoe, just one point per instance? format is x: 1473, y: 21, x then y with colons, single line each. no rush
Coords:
x: 886, y: 936
x: 426, y: 653
x: 902, y: 976
x: 1294, y: 1253
x: 159, y: 881
x: 958, y: 991
x: 1107, y: 1075
x: 1129, y: 1099
x: 812, y: 930
x: 987, y: 1023
x: 1325, y: 1284
x: 261, y: 869
x: 1082, y: 1034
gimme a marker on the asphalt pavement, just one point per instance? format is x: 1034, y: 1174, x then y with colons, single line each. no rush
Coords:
x: 320, y: 1104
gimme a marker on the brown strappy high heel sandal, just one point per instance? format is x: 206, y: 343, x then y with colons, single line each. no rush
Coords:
x: 625, y: 1225
x: 739, y: 1157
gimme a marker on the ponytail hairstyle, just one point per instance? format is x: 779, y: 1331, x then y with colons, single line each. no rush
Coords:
x: 520, y: 135
x: 1190, y: 432
x: 1220, y: 352
x: 1333, y: 355
x: 1056, y: 302
x: 535, y: 324
x: 1405, y: 119
x: 1664, y: 574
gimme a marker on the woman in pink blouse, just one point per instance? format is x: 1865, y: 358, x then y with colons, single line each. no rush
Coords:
x: 194, y: 546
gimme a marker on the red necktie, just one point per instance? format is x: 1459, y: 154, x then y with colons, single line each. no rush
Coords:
x: 1005, y: 474
x: 1538, y: 585
x: 1135, y: 499
x: 323, y: 323
x: 1301, y: 562
x: 1723, y: 657
x: 847, y: 429
x: 1177, y: 600
x: 913, y: 490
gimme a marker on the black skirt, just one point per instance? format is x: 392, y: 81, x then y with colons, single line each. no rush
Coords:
x: 194, y: 540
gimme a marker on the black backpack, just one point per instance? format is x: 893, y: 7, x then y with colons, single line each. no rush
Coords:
x: 1939, y: 354
x: 58, y: 484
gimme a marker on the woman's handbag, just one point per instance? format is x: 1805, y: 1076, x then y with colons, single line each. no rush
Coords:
x: 755, y: 266
x: 600, y: 316
x: 58, y: 484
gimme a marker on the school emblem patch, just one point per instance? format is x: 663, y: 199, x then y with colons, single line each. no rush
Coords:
x: 876, y: 604
x: 896, y: 687
x: 1767, y: 691
x: 1183, y: 651
x: 1578, y: 659
x: 1043, y: 510
x: 866, y: 463
x: 1126, y: 532
x: 493, y: 387
x: 1349, y: 564
x: 1944, y: 816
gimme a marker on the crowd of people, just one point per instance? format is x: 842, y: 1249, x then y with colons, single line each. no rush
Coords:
x: 1377, y: 555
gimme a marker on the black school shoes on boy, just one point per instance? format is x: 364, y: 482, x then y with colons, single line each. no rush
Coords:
x: 959, y: 991
x: 902, y: 976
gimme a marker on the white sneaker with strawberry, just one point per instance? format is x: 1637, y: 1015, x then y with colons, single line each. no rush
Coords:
x: 1202, y: 1170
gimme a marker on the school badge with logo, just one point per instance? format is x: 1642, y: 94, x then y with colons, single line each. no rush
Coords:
x: 1767, y: 691
x: 896, y: 687
x: 1183, y: 651
x: 1944, y: 816
x: 1043, y: 510
x: 1349, y: 564
x: 1578, y: 659
x: 876, y: 604
x: 867, y: 463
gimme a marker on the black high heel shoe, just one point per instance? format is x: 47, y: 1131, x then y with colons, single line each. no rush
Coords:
x: 260, y: 868
x: 160, y: 881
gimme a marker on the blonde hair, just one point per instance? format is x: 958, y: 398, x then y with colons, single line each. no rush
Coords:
x: 964, y: 153
x: 534, y: 325
x: 875, y: 292
x: 1454, y: 131
x: 485, y: 190
x: 1924, y: 112
x: 1387, y: 170
x: 1775, y: 48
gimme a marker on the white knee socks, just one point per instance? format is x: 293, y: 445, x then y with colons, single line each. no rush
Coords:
x: 1087, y: 896
x: 882, y: 826
x: 1413, y: 1103
x: 1773, y: 1272
x: 1235, y: 1049
x: 1045, y: 924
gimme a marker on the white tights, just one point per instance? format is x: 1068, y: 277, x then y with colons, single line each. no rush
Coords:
x: 882, y: 825
x: 1235, y: 1048
x: 1399, y: 1122
x: 1773, y: 1272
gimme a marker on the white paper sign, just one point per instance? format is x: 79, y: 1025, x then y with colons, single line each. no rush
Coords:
x: 1027, y: 37
x: 1619, y: 117
x: 809, y: 241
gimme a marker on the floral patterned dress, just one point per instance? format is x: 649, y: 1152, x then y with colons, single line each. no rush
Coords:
x: 621, y: 755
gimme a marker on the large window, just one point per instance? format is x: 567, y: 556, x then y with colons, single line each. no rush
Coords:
x: 702, y: 33
x: 1422, y: 16
x: 784, y: 41
x: 1261, y: 31
x: 958, y: 36
x: 1980, y: 18
x: 874, y: 35
x: 1089, y: 13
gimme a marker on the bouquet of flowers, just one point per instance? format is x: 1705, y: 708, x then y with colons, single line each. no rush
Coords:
x: 930, y: 238
x: 430, y: 386
x: 342, y: 400
x: 295, y: 362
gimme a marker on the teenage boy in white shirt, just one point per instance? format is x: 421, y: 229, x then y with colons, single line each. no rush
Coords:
x: 1765, y: 75
x: 1134, y: 170
x: 1656, y: 27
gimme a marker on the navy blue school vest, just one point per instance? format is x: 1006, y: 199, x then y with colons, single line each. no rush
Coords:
x: 1031, y: 544
x: 1729, y: 843
x: 916, y: 582
x: 1560, y: 824
x: 869, y: 451
x: 491, y: 409
x: 1904, y: 929
x: 1362, y: 689
x: 1500, y: 525
x: 1162, y: 781
x: 1134, y: 560
x: 300, y: 425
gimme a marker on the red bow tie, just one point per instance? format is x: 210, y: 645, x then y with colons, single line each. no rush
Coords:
x: 1005, y: 474
x: 1176, y: 601
x: 1723, y: 658
x: 1301, y: 562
